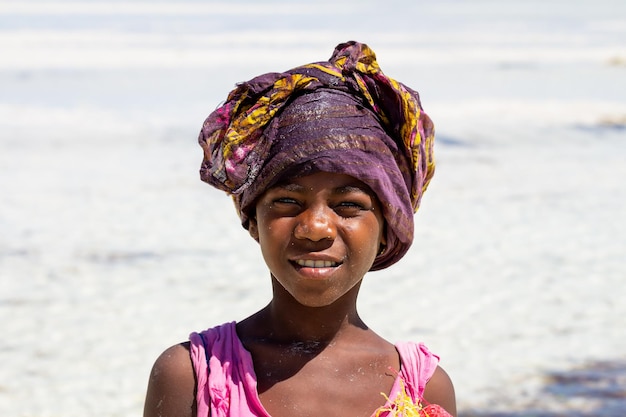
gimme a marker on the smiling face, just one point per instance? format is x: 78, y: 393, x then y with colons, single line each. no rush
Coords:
x: 319, y: 235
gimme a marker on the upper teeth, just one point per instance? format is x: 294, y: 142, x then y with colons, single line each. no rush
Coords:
x: 316, y: 264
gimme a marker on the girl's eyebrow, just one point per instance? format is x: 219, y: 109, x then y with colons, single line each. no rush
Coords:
x: 290, y: 186
x: 347, y: 189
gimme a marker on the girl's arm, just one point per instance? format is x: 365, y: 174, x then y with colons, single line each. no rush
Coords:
x: 172, y: 385
x: 439, y: 390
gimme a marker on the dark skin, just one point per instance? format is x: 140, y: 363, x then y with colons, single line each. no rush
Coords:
x: 312, y: 353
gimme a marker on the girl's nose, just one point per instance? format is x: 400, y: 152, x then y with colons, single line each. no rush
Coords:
x: 315, y: 224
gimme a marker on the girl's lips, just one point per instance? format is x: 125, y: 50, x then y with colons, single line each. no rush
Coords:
x: 316, y: 269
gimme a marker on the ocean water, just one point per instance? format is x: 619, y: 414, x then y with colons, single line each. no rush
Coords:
x: 166, y: 64
x: 111, y: 249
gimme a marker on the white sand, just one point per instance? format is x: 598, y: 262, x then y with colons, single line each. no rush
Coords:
x: 111, y: 249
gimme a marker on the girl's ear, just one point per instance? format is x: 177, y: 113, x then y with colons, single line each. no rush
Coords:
x: 383, y: 237
x: 382, y: 245
x: 253, y: 229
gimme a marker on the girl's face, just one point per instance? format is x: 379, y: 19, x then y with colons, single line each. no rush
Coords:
x: 319, y: 235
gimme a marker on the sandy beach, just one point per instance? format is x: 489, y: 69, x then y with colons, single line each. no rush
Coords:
x: 112, y: 249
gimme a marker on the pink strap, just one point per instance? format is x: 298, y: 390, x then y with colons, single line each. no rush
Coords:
x: 200, y: 365
x: 231, y: 389
x: 418, y: 366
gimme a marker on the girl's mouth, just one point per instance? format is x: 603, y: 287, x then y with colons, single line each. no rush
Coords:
x: 310, y: 263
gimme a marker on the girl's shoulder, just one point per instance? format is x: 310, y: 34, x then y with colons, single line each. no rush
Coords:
x: 440, y: 390
x: 172, y: 383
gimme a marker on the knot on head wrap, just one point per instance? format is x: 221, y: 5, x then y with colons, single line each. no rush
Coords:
x: 344, y: 116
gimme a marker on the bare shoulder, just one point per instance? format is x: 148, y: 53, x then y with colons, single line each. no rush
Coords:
x: 172, y: 385
x: 440, y: 390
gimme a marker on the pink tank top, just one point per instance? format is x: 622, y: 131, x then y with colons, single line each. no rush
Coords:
x: 226, y: 381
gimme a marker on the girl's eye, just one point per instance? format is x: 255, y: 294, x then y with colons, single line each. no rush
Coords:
x: 285, y: 200
x: 286, y: 206
x: 349, y: 208
x: 351, y: 204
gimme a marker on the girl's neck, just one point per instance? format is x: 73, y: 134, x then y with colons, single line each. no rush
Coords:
x: 286, y: 320
x: 319, y: 324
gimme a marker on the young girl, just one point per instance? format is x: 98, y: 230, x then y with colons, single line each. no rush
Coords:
x: 327, y: 164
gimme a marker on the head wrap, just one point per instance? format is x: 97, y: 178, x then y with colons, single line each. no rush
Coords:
x: 341, y: 116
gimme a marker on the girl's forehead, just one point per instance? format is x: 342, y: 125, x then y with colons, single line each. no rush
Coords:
x: 332, y: 182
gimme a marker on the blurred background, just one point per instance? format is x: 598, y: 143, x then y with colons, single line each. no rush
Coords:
x: 111, y: 249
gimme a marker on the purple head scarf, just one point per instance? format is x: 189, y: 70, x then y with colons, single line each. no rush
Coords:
x: 341, y: 116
